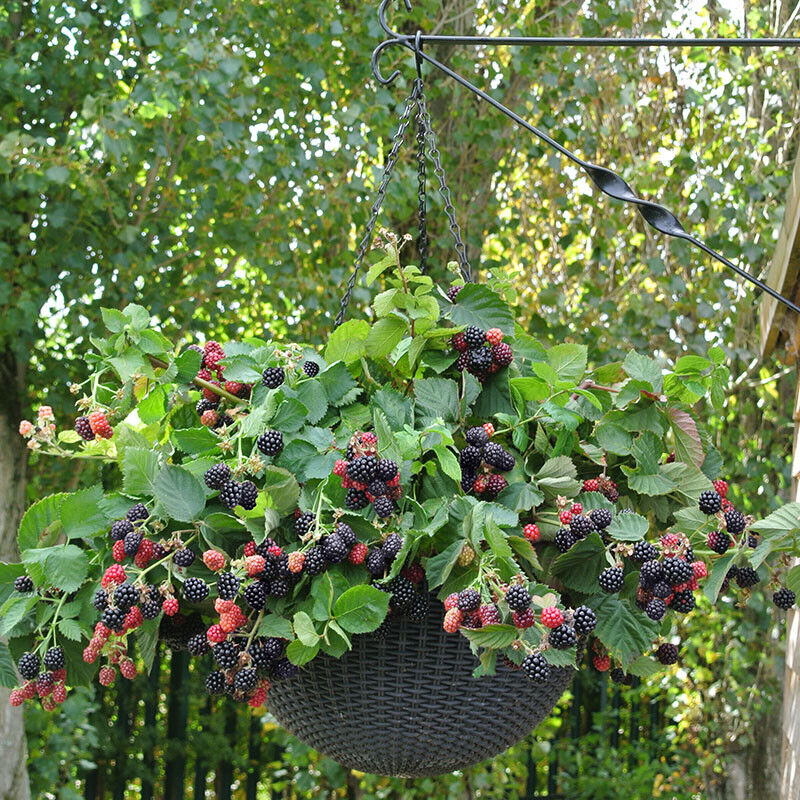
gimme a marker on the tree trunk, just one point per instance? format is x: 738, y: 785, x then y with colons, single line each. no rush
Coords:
x: 13, y: 463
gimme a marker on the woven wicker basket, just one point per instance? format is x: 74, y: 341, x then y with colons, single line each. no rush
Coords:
x: 393, y: 707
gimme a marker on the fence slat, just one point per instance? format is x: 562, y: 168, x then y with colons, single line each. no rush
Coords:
x: 254, y: 758
x: 177, y: 713
x: 150, y: 723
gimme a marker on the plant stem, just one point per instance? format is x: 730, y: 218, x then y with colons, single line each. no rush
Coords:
x: 200, y: 382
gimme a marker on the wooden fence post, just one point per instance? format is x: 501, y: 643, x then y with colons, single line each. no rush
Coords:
x: 178, y: 711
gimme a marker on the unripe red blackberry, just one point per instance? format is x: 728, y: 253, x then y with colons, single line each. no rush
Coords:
x: 552, y: 617
x: 517, y: 597
x: 452, y: 620
x: 270, y: 443
x: 591, y: 485
x: 523, y: 619
x: 535, y: 666
x: 611, y: 579
x: 667, y: 653
x: 273, y: 377
x: 709, y: 502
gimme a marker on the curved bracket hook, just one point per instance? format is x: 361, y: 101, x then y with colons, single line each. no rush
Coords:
x: 376, y: 54
x: 382, y: 18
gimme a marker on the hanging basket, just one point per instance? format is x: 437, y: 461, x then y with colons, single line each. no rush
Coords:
x: 391, y: 707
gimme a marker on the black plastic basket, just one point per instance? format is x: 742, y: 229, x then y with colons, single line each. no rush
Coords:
x: 408, y: 706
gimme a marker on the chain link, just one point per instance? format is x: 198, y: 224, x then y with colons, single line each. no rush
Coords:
x: 422, y: 212
x: 444, y: 191
x: 391, y: 160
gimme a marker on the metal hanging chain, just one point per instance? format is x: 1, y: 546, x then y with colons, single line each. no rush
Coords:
x: 422, y: 211
x: 391, y: 160
x: 444, y: 191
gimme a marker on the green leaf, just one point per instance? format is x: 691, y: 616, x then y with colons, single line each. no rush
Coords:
x: 114, y: 319
x: 793, y: 579
x: 187, y: 365
x: 579, y: 567
x: 495, y: 636
x: 347, y: 342
x: 717, y: 575
x: 560, y: 658
x: 312, y: 395
x: 337, y: 382
x: 180, y: 493
x: 71, y: 629
x: 242, y: 368
x: 448, y: 462
x: 66, y: 566
x: 361, y: 609
x: 299, y: 653
x: 613, y: 438
x: 196, y: 440
x: 628, y: 527
x: 139, y: 468
x: 439, y: 566
x: 644, y: 667
x: 568, y: 360
x: 81, y: 513
x: 520, y: 496
x: 153, y: 407
x: 147, y: 639
x: 8, y: 675
x: 689, y: 481
x: 524, y: 549
x: 558, y: 467
x: 530, y: 389
x: 688, y: 447
x: 384, y: 336
x: 479, y: 305
x: 436, y: 398
x: 304, y: 629
x: 785, y: 520
x: 642, y: 368
x: 651, y: 485
x: 13, y: 612
x: 275, y: 626
x: 291, y: 415
x: 688, y: 365
x: 380, y: 266
x: 36, y: 521
x: 282, y: 488
x: 626, y: 632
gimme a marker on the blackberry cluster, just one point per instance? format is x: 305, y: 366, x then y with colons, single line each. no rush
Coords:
x: 478, y: 459
x: 368, y: 478
x: 270, y: 443
x: 481, y: 352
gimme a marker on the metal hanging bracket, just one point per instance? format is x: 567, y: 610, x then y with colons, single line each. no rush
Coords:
x: 611, y: 184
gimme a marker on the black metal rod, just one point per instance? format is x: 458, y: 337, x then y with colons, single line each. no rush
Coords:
x: 607, y: 181
x: 598, y: 41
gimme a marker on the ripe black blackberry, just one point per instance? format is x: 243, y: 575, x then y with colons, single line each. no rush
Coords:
x: 719, y: 541
x: 535, y: 666
x: 270, y: 443
x: 656, y: 609
x: 226, y: 654
x: 137, y: 513
x: 229, y: 494
x: 223, y: 421
x: 23, y: 584
x: 259, y: 656
x: 467, y: 479
x: 311, y: 368
x: 402, y: 591
x: 601, y: 517
x: 132, y: 541
x: 100, y: 600
x: 676, y: 571
x: 113, y: 618
x: 362, y: 469
x: 493, y: 454
x: 377, y: 488
x: 391, y: 546
x: 375, y: 562
x: 195, y: 589
x: 611, y: 579
x: 217, y: 475
x: 315, y: 562
x: 661, y: 589
x: 518, y: 597
x: 54, y: 659
x: 564, y: 539
x: 477, y: 436
x: 382, y: 631
x: 306, y: 522
x: 355, y: 499
x: 644, y: 551
x: 734, y: 521
x: 28, y: 666
x: 650, y: 573
x: 469, y: 600
x: 584, y: 620
x: 204, y: 404
x: 709, y: 502
x: 273, y: 648
x: 333, y: 548
x: 418, y: 610
x: 470, y: 458
x: 474, y: 336
x: 383, y: 507
x: 452, y: 293
x: 120, y: 529
x: 479, y: 360
x: 245, y: 680
x: 729, y: 576
x: 255, y: 595
x: 581, y: 526
x: 273, y: 377
x: 279, y: 587
x: 689, y: 554
x: 248, y: 495
x: 227, y: 586
x: 617, y: 675
x: 84, y: 428
x: 667, y: 653
x: 784, y: 598
x: 282, y: 566
x: 183, y: 557
x: 126, y: 595
x: 746, y: 577
x: 198, y: 644
x: 346, y: 534
x: 283, y: 668
x: 386, y: 469
x: 151, y: 606
x: 682, y: 602
x: 563, y: 637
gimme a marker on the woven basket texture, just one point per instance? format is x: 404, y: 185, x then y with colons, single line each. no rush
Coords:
x: 408, y: 706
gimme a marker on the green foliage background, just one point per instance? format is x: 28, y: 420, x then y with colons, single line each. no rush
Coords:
x: 216, y: 164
